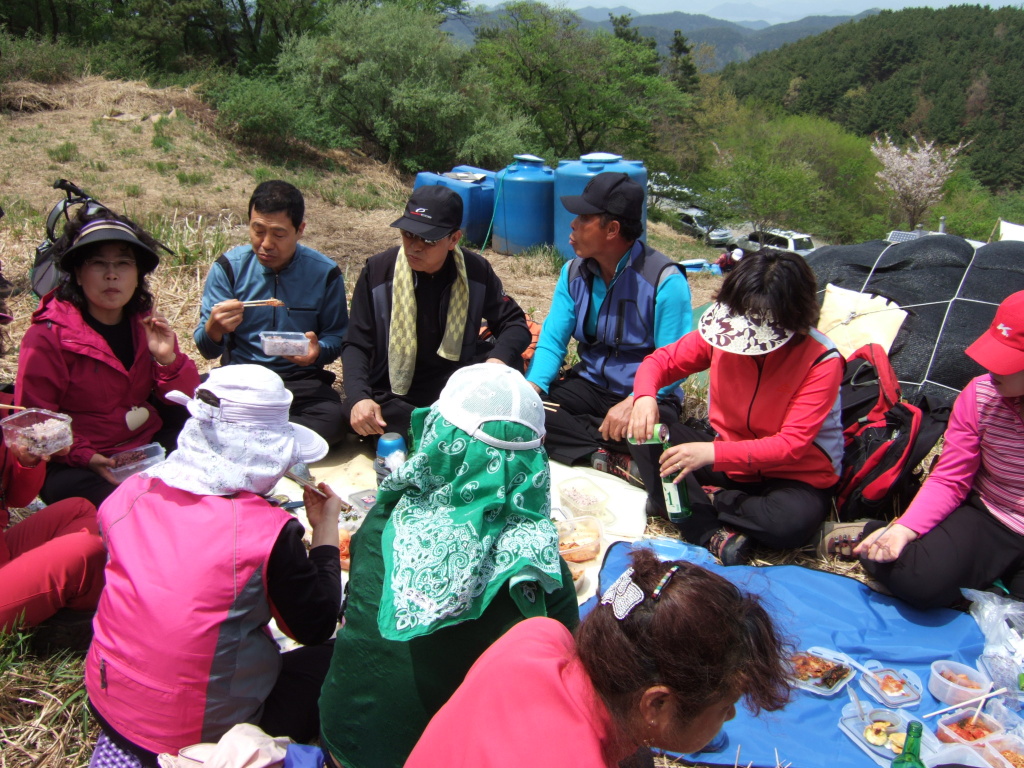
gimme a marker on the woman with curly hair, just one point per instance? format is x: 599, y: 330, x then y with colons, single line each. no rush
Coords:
x: 97, y: 352
x: 661, y: 662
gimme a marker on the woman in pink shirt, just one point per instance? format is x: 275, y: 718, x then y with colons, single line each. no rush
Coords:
x: 965, y: 528
x: 661, y: 661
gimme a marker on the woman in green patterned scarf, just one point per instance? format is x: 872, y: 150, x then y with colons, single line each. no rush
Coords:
x: 458, y: 548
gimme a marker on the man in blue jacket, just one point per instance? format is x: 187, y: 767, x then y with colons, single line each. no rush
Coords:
x: 308, y: 296
x: 620, y: 300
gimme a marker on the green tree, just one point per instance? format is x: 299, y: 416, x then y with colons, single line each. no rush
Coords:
x: 680, y: 66
x: 390, y: 77
x: 583, y: 90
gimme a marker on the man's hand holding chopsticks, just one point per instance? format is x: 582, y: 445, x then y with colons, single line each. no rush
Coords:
x: 225, y: 317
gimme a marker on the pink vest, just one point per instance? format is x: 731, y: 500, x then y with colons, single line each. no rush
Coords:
x: 181, y: 651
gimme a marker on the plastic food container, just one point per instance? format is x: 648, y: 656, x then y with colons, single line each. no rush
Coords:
x: 947, y: 734
x: 958, y: 754
x: 579, y: 539
x: 133, y: 461
x: 953, y: 691
x: 284, y: 343
x: 891, y: 687
x: 38, y: 431
x: 836, y: 671
x: 856, y: 729
x: 583, y: 497
x: 1004, y: 751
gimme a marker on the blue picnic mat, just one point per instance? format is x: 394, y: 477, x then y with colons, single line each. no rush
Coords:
x: 820, y: 609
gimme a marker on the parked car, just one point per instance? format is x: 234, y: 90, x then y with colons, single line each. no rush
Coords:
x: 697, y: 222
x: 779, y: 240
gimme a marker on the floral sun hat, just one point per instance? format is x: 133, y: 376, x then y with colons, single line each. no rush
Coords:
x: 742, y: 334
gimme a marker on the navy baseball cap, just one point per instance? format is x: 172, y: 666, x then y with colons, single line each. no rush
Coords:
x: 432, y: 212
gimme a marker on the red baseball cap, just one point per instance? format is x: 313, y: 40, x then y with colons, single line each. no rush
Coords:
x: 1001, y: 348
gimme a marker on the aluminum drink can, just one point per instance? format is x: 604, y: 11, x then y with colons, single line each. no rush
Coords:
x: 659, y: 436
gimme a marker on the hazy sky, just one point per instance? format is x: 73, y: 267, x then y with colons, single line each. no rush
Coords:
x: 772, y: 12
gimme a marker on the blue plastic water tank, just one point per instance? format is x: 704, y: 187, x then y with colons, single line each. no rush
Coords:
x: 476, y: 188
x: 524, y: 213
x: 571, y: 176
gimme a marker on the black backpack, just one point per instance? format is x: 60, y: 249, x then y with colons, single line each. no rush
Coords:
x: 45, y: 275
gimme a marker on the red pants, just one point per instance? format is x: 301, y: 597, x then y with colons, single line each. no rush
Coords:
x: 52, y: 560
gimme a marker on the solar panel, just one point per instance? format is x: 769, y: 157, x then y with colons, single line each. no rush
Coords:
x: 896, y: 236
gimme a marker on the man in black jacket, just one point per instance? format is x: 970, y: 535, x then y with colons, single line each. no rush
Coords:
x: 416, y: 316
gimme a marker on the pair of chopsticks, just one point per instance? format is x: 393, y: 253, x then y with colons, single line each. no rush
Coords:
x: 264, y: 303
x: 982, y: 699
x: 550, y: 406
x: 16, y: 407
x: 312, y: 486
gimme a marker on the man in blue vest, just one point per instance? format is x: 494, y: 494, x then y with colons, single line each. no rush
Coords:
x: 620, y: 300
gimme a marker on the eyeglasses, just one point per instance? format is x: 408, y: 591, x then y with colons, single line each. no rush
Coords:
x: 410, y: 236
x: 100, y: 266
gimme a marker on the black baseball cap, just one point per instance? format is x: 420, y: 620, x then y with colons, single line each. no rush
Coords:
x: 614, y: 193
x: 432, y: 212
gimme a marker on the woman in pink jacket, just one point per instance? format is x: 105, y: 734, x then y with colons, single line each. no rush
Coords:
x: 965, y: 527
x: 97, y: 352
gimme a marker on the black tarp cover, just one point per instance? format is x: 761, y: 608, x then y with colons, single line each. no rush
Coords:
x: 949, y: 289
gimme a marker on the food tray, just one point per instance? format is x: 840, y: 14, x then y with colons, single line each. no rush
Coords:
x: 950, y: 692
x: 908, y: 696
x: 995, y: 747
x: 38, y: 431
x: 133, y: 461
x: 583, y: 497
x: 362, y: 502
x: 282, y: 343
x: 815, y: 685
x: 579, y: 539
x: 579, y: 577
x: 946, y: 734
x: 853, y: 726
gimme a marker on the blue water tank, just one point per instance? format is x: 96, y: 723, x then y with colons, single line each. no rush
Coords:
x: 476, y: 188
x: 524, y: 213
x: 571, y: 176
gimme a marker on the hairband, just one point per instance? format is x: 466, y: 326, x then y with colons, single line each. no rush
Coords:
x: 625, y: 594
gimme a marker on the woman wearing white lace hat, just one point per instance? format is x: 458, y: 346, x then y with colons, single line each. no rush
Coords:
x: 458, y: 548
x: 199, y: 562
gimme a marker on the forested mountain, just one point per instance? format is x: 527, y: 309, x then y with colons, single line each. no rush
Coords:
x: 946, y: 74
x: 731, y: 41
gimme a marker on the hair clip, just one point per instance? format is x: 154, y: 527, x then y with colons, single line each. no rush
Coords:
x: 623, y: 595
x: 664, y: 582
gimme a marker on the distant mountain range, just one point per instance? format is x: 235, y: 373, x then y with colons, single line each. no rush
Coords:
x: 732, y: 41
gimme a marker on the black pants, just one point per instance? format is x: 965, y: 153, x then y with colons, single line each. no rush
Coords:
x: 316, y: 405
x: 779, y: 513
x: 396, y: 412
x: 63, y: 482
x: 573, y: 429
x: 970, y: 548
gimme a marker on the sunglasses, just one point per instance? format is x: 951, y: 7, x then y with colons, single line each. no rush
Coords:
x: 414, y: 238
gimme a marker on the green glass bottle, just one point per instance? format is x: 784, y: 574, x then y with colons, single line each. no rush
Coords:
x: 910, y: 757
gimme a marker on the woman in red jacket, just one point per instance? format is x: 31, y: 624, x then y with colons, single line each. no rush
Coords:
x: 774, y: 454
x: 97, y: 352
